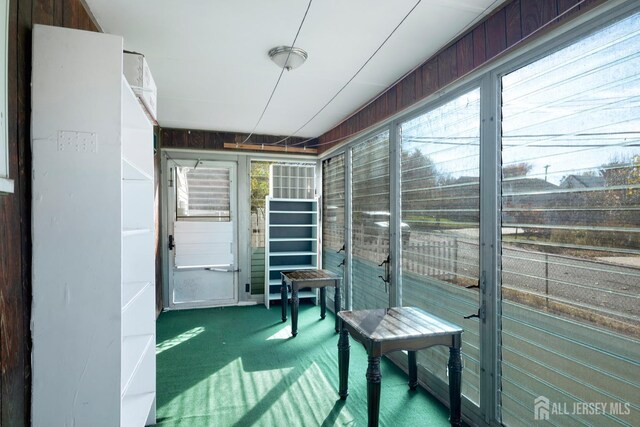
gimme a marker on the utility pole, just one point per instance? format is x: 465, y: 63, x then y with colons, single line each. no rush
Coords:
x: 545, y: 172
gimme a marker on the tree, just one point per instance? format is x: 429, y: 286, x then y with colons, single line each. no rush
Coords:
x: 419, y: 180
x: 516, y: 170
x: 259, y: 184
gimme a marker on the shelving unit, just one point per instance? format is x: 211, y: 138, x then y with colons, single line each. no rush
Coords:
x: 138, y: 385
x: 292, y: 243
x: 93, y: 310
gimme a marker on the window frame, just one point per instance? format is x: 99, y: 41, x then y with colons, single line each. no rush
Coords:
x: 6, y: 184
x: 488, y: 78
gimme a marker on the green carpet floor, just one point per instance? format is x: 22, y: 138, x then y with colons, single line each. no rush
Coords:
x: 239, y: 366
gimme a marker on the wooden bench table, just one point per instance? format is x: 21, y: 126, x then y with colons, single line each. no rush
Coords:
x: 381, y: 331
x: 308, y: 279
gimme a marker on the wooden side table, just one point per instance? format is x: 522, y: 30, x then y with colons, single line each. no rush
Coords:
x: 308, y: 279
x: 381, y: 331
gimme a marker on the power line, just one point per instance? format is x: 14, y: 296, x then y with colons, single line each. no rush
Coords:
x: 280, y: 75
x: 352, y: 77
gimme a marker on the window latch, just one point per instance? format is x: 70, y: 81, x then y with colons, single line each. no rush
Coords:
x: 480, y: 314
x: 387, y: 274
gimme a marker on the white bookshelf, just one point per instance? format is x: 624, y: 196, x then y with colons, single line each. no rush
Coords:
x: 291, y: 243
x: 93, y: 236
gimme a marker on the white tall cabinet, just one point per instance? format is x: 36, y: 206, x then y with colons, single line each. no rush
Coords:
x: 93, y: 315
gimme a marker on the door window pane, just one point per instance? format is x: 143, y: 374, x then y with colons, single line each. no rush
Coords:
x: 440, y: 222
x: 571, y: 230
x: 203, y: 192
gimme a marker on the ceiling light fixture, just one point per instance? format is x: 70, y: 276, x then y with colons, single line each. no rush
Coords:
x: 288, y: 57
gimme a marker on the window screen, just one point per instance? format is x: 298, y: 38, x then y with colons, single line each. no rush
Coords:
x: 203, y: 192
x: 571, y: 230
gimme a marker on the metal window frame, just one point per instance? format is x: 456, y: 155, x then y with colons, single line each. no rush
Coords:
x: 488, y: 413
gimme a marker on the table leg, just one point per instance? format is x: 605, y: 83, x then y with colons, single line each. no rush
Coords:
x: 337, y: 306
x: 323, y: 302
x: 294, y: 309
x: 413, y: 371
x: 373, y: 390
x: 343, y: 363
x: 455, y: 383
x: 283, y: 300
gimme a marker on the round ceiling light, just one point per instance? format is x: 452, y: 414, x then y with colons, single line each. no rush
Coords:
x: 288, y: 57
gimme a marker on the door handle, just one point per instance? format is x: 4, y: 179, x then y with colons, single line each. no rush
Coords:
x: 222, y: 270
x: 171, y: 244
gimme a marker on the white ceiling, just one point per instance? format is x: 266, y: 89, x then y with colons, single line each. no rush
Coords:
x: 209, y: 57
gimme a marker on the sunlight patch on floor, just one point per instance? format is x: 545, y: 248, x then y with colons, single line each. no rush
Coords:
x: 282, y: 334
x: 172, y: 342
x: 228, y: 393
x: 309, y: 399
x: 237, y: 397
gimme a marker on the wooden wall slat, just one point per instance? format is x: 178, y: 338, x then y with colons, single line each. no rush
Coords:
x: 479, y: 45
x: 447, y: 66
x: 496, y: 34
x: 464, y: 54
x: 18, y: 360
x: 392, y: 101
x: 565, y: 5
x: 407, y: 90
x: 196, y: 139
x: 379, y: 108
x: 212, y: 140
x: 513, y: 27
x: 11, y: 335
x: 58, y: 12
x: 536, y: 13
x: 43, y: 12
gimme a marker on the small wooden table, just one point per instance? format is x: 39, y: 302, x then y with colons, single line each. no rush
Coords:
x: 308, y: 279
x: 381, y: 331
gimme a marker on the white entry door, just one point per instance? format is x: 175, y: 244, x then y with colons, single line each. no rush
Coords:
x: 203, y: 265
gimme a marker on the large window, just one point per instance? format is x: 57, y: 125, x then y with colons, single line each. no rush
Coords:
x: 539, y: 206
x: 370, y: 221
x: 333, y: 205
x: 440, y: 221
x: 571, y: 229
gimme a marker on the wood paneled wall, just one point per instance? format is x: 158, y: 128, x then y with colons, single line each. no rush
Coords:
x: 15, y: 209
x: 212, y: 140
x: 514, y: 23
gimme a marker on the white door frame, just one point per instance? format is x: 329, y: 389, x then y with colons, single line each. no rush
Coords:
x: 170, y: 209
